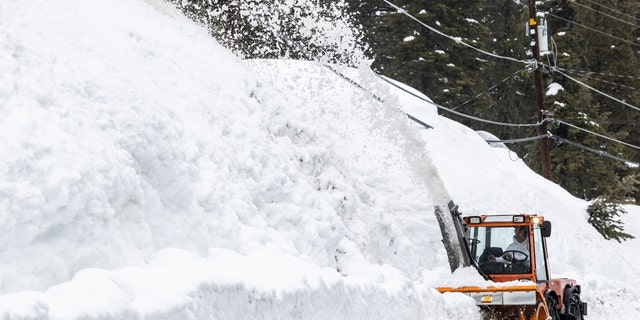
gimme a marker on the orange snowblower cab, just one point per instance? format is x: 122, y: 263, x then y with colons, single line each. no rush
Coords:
x: 511, y: 251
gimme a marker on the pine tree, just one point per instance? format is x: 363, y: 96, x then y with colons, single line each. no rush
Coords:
x: 604, y: 216
x: 298, y: 29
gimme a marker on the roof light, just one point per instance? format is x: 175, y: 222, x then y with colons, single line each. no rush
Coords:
x: 474, y: 220
x: 536, y: 220
x: 518, y: 218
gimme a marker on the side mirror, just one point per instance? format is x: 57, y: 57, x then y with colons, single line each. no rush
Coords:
x: 546, y: 228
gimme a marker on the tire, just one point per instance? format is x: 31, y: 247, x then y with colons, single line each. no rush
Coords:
x: 574, y: 310
x: 541, y: 312
x: 552, y: 303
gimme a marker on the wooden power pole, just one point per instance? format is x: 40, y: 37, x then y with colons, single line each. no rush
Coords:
x: 539, y: 84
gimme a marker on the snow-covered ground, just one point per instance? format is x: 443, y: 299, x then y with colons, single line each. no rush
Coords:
x: 148, y: 173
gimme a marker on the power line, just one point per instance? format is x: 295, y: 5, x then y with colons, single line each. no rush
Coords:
x: 595, y: 30
x: 587, y: 75
x: 611, y: 9
x: 456, y: 39
x: 542, y: 136
x: 606, y: 14
x: 354, y: 83
x: 489, y: 89
x: 488, y: 121
x: 458, y: 112
x: 378, y: 98
x: 598, y: 152
x: 596, y: 90
x: 612, y: 83
x: 597, y: 134
x: 581, y: 72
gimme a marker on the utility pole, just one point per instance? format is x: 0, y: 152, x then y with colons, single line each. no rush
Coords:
x: 539, y: 83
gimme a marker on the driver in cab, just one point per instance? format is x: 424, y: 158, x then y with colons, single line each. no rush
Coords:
x: 520, y: 243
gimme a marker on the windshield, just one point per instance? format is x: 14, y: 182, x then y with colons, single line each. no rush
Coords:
x: 500, y: 250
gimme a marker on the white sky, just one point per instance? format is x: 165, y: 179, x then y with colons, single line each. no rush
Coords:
x: 148, y: 173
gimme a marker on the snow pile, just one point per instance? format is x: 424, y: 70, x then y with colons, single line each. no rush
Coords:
x: 149, y: 173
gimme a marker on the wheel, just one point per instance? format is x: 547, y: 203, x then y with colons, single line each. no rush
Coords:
x: 574, y: 310
x: 552, y: 303
x: 539, y: 313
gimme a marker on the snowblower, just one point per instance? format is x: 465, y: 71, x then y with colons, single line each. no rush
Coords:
x: 510, y: 252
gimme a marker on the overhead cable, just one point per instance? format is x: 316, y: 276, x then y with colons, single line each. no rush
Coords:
x: 598, y: 152
x: 611, y: 9
x: 606, y: 14
x: 489, y: 89
x: 378, y: 98
x: 612, y: 83
x: 460, y: 113
x: 359, y: 86
x: 488, y: 121
x: 580, y: 72
x: 597, y: 134
x: 595, y: 30
x: 596, y: 90
x: 587, y: 75
x: 542, y: 136
x: 456, y: 39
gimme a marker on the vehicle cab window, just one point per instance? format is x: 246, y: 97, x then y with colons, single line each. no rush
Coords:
x: 501, y: 250
x: 541, y: 266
